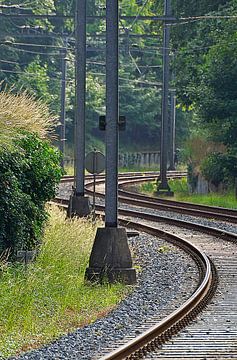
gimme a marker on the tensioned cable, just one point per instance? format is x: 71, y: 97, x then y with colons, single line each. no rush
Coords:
x: 137, y: 16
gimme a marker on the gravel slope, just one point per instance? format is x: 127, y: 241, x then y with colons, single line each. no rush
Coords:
x: 165, y: 279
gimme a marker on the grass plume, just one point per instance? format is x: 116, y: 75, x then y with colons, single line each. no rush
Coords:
x: 22, y: 112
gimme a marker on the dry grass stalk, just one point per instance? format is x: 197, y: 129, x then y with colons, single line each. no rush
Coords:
x: 22, y: 112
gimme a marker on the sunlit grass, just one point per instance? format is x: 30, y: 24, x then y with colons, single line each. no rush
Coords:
x: 22, y: 112
x: 136, y: 168
x: 181, y: 193
x: 69, y: 170
x: 222, y: 200
x: 49, y: 297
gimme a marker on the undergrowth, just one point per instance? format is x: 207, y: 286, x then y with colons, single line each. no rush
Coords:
x: 181, y: 193
x: 49, y: 297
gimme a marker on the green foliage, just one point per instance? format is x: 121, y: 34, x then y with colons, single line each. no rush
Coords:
x: 37, y: 82
x: 204, y: 62
x: 227, y: 200
x: 28, y: 179
x: 43, y: 170
x: 179, y: 185
x: 206, y: 69
x: 219, y: 167
x: 50, y: 298
x: 164, y: 249
x: 148, y: 187
x: 192, y: 177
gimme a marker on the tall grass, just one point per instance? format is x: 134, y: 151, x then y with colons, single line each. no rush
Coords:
x: 22, y: 112
x: 49, y: 297
x: 181, y: 193
x: 227, y: 200
x: 148, y: 187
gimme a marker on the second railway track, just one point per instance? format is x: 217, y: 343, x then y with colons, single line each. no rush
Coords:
x: 213, y: 335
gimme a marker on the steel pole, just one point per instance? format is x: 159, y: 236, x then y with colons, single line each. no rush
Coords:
x: 110, y: 256
x: 80, y: 34
x: 63, y: 101
x: 172, y: 129
x: 112, y: 113
x: 165, y: 93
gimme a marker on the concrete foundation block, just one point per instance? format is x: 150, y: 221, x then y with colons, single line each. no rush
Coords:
x: 165, y: 193
x: 79, y: 206
x: 110, y: 257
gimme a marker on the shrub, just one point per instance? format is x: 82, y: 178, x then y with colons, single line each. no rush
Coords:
x: 28, y: 178
x: 219, y: 167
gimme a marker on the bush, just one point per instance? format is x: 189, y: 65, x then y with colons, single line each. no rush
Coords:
x: 218, y: 168
x: 28, y: 179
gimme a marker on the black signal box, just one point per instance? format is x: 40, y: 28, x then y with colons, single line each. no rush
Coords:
x: 121, y: 123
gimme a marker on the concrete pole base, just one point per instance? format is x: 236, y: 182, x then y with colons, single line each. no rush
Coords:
x: 165, y: 192
x: 79, y: 206
x: 110, y: 258
x: 163, y: 188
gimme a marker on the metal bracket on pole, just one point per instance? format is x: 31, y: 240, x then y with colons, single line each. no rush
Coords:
x: 121, y: 123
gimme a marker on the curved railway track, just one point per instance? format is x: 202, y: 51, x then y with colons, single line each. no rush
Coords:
x: 136, y: 199
x: 211, y: 338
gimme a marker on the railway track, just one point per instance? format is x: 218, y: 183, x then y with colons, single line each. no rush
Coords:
x: 136, y: 199
x: 213, y: 335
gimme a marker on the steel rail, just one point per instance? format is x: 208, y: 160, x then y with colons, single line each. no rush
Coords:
x: 222, y: 234
x: 155, y: 174
x: 129, y: 193
x: 181, y: 317
x: 152, y: 339
x: 135, y: 199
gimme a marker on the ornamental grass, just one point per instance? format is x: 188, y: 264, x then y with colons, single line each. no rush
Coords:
x: 21, y: 112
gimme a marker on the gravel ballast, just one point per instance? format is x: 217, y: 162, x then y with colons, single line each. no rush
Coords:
x: 166, y: 278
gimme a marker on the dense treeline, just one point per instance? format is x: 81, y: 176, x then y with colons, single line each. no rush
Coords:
x: 38, y: 68
x: 206, y: 68
x: 203, y: 57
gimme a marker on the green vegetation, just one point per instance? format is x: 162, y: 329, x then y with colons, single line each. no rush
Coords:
x: 38, y: 68
x: 21, y: 112
x: 29, y: 171
x: 139, y: 169
x: 220, y: 168
x: 206, y: 69
x: 148, y: 187
x: 181, y: 193
x: 164, y: 249
x: 213, y: 199
x: 49, y: 297
x: 204, y: 62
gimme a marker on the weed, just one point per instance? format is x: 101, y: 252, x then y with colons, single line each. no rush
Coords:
x: 164, y: 249
x: 50, y: 297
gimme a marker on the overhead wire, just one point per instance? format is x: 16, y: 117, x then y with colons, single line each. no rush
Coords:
x: 138, y: 14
